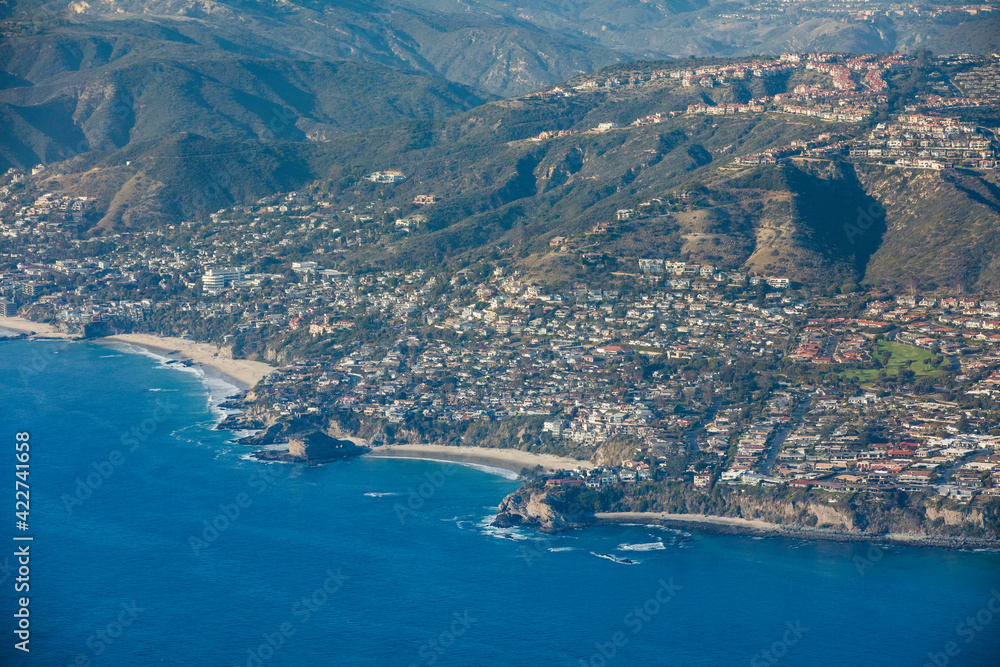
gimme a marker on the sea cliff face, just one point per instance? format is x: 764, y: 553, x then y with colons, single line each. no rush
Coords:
x: 309, y: 440
x: 313, y: 447
x: 865, y: 516
x: 540, y: 509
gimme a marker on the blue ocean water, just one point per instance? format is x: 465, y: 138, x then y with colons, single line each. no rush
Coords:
x: 156, y: 543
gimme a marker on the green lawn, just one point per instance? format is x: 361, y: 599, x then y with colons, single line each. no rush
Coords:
x: 902, y: 355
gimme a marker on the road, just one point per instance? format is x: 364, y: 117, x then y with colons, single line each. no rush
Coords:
x: 829, y: 347
x: 778, y: 441
x: 690, y: 436
x: 945, y: 472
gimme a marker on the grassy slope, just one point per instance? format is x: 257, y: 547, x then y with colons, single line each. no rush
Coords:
x: 902, y: 356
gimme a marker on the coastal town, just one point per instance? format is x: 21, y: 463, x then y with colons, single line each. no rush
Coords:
x: 680, y: 371
x: 672, y: 370
x: 835, y: 89
x: 483, y: 332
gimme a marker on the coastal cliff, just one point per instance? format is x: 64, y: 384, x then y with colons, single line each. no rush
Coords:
x: 805, y: 513
x: 310, y: 440
x: 313, y: 446
x: 256, y: 413
x: 534, y: 507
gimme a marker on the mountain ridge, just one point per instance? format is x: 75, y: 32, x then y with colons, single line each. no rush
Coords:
x: 504, y: 194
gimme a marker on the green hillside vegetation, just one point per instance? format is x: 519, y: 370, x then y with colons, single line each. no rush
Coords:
x: 941, y: 230
x: 475, y: 153
x: 491, y: 52
x: 497, y: 46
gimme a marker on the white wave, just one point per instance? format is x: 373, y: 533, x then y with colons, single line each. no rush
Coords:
x: 459, y: 522
x: 615, y: 559
x: 493, y: 470
x: 657, y: 527
x: 674, y: 532
x: 250, y: 457
x: 109, y: 356
x: 505, y: 534
x: 242, y: 433
x: 642, y: 546
x: 486, y: 528
x: 218, y: 388
x: 379, y: 494
x: 14, y: 333
x: 562, y: 548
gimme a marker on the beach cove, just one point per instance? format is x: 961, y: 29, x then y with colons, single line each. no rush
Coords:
x: 243, y: 373
x: 509, y: 459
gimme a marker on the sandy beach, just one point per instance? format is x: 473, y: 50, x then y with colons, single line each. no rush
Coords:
x: 687, y: 518
x: 241, y: 372
x: 755, y: 527
x: 40, y: 329
x: 510, y: 459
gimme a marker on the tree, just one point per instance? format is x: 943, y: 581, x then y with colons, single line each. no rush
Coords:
x: 963, y: 424
x: 761, y: 294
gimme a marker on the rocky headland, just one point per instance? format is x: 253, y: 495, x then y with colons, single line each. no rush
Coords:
x: 923, y: 522
x: 309, y: 439
x: 540, y: 509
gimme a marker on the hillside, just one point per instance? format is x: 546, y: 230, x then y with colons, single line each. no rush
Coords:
x: 79, y: 76
x: 980, y: 37
x: 499, y: 54
x: 503, y: 190
x: 503, y: 47
x: 484, y: 159
x: 183, y: 176
x: 80, y: 88
x: 942, y: 231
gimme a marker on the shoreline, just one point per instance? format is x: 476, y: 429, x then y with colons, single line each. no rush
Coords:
x: 506, y: 473
x: 244, y: 374
x: 37, y: 330
x: 508, y: 459
x: 241, y: 373
x: 756, y: 528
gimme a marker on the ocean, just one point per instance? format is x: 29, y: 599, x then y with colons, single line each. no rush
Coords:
x: 157, y: 542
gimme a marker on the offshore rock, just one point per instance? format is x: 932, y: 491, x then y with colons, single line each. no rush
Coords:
x: 313, y: 447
